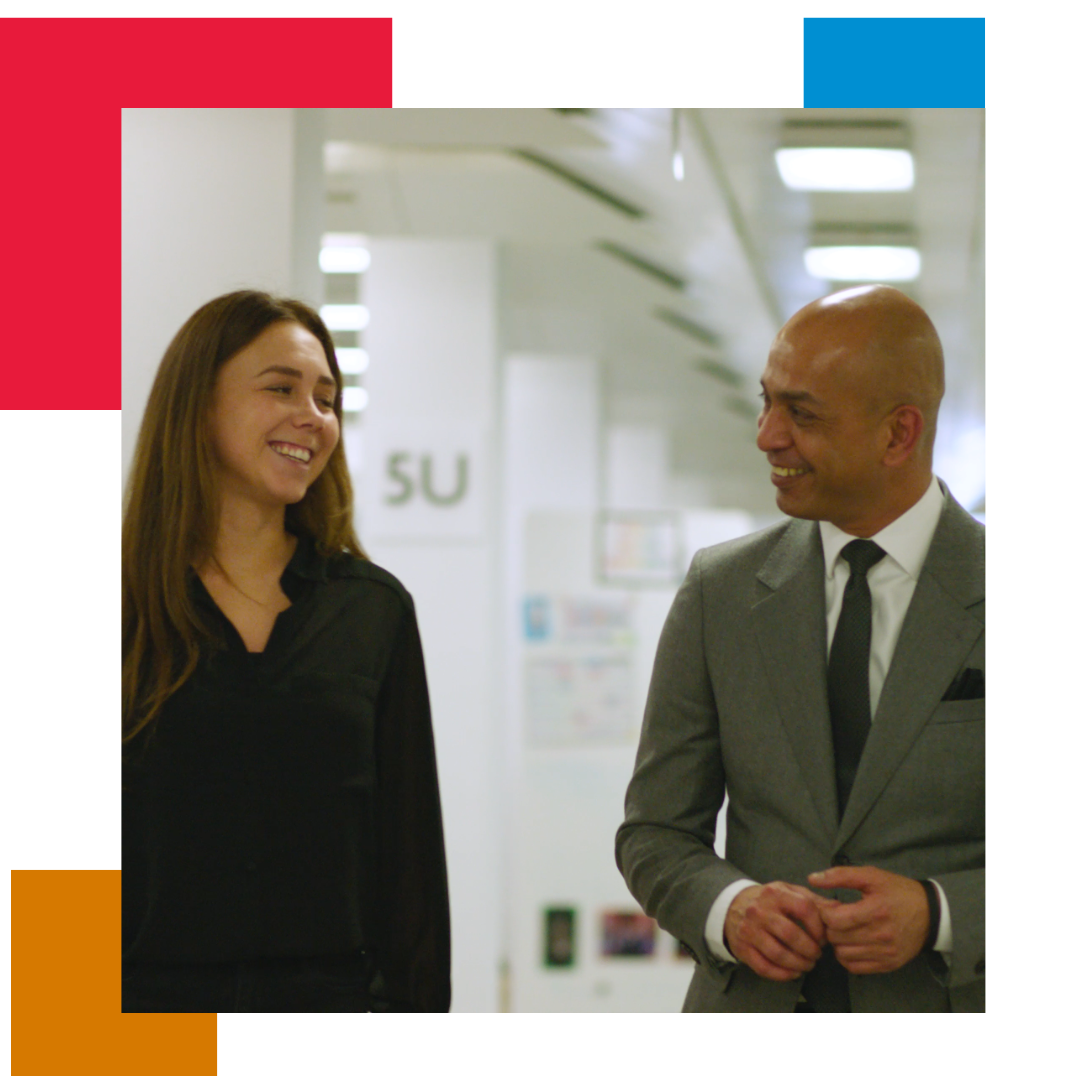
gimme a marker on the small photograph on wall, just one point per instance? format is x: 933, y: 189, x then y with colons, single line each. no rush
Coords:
x: 537, y: 612
x: 559, y: 938
x: 627, y: 933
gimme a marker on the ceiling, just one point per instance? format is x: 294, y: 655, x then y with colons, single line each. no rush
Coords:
x: 677, y: 287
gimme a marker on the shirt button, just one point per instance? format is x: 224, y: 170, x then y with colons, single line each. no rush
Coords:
x: 841, y: 860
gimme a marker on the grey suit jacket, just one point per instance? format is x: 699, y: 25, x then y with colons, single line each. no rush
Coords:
x: 738, y: 704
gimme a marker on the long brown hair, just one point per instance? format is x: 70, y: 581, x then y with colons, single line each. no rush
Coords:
x: 172, y: 507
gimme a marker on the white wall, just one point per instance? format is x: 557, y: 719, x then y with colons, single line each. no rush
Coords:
x: 636, y: 469
x: 432, y: 387
x: 566, y: 794
x: 569, y: 797
x: 207, y: 197
x: 564, y: 802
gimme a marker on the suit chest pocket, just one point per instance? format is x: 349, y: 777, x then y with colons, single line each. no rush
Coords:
x: 945, y: 772
x: 960, y: 712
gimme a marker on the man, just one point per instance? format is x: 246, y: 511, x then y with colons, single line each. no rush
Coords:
x: 832, y: 686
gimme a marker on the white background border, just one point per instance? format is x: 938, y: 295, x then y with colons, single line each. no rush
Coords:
x: 61, y: 552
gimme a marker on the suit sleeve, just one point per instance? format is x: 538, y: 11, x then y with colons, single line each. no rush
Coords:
x: 665, y: 846
x: 412, y: 912
x: 966, y: 894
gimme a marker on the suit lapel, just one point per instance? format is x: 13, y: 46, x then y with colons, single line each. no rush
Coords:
x: 937, y: 635
x: 789, y: 624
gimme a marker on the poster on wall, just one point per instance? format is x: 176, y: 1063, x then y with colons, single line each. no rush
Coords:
x: 584, y: 619
x: 579, y: 700
x: 597, y: 619
x: 627, y: 933
x: 638, y: 549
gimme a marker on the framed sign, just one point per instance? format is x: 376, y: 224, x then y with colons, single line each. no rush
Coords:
x: 638, y: 548
x: 627, y: 933
x: 559, y: 937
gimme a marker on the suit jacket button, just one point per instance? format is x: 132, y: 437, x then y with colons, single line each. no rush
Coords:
x: 841, y: 860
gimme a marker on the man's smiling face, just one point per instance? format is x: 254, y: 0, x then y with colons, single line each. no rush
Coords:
x: 819, y: 432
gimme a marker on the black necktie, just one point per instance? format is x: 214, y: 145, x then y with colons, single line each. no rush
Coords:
x: 826, y: 986
x: 849, y: 668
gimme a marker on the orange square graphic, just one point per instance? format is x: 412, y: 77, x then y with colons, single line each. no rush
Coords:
x: 65, y: 988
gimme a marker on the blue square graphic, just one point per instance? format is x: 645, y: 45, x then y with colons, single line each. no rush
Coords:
x: 891, y: 63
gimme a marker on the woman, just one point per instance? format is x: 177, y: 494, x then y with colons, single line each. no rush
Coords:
x: 282, y: 847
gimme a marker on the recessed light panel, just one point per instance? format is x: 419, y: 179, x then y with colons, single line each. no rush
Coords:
x: 344, y: 316
x: 845, y: 168
x: 354, y: 399
x: 344, y: 260
x: 351, y: 361
x: 863, y: 263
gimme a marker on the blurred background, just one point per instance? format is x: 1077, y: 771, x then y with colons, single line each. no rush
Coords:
x: 552, y: 324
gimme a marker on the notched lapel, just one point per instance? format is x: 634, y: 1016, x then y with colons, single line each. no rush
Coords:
x: 938, y: 634
x: 789, y: 624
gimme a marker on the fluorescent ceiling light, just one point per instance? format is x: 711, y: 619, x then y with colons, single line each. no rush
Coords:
x: 845, y: 168
x: 344, y: 260
x: 344, y: 316
x: 343, y: 239
x: 863, y: 263
x: 352, y: 361
x: 354, y: 399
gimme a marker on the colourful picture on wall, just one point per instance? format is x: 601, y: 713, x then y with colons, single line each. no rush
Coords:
x: 559, y: 937
x: 627, y: 933
x: 638, y: 548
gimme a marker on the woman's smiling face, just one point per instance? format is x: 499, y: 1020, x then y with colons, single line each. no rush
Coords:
x: 272, y: 421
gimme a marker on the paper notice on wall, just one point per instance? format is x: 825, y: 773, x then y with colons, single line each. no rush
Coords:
x: 643, y: 549
x: 585, y: 700
x: 589, y: 620
x: 598, y: 618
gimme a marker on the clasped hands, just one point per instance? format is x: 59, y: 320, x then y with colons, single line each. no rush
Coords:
x: 779, y: 930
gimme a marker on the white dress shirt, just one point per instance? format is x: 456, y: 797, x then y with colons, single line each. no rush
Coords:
x: 905, y: 542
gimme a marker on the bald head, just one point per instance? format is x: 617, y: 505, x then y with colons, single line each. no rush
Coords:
x: 881, y: 345
x: 851, y: 393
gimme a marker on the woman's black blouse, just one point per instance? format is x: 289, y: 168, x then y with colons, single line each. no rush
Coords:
x: 285, y: 803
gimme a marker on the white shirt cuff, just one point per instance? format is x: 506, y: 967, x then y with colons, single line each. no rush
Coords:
x: 714, y: 924
x: 944, y: 943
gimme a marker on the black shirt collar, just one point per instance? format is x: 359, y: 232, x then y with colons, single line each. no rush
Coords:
x: 306, y: 561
